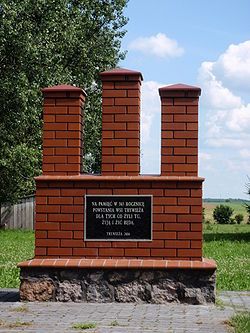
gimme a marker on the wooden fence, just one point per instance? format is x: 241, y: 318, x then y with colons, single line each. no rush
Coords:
x: 20, y: 215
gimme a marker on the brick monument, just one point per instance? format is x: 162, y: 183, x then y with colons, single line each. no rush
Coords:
x: 119, y: 236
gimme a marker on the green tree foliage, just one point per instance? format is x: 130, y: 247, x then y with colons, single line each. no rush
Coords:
x: 43, y: 43
x: 222, y: 214
x: 247, y: 206
x: 203, y: 215
x: 239, y: 218
x: 248, y: 212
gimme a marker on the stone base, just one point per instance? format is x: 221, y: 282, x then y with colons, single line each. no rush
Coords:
x: 192, y: 286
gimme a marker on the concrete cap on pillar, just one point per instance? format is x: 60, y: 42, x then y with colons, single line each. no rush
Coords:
x: 63, y: 88
x: 124, y: 73
x: 180, y: 89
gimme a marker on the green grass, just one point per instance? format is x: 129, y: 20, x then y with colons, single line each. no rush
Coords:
x: 21, y: 308
x: 240, y: 322
x: 237, y: 206
x: 229, y: 245
x: 16, y: 324
x: 219, y: 303
x: 83, y: 326
x: 16, y: 246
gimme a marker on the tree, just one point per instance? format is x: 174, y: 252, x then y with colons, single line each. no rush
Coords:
x: 247, y: 206
x: 222, y: 214
x: 239, y: 218
x: 43, y: 43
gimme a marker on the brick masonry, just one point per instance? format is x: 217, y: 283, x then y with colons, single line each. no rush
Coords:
x: 179, y: 130
x: 177, y: 217
x: 176, y: 193
x: 121, y: 122
x: 63, y: 130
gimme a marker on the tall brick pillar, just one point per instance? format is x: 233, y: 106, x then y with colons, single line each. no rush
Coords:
x: 62, y: 130
x: 121, y: 122
x: 179, y: 130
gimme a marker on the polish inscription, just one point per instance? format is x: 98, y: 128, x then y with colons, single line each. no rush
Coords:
x: 118, y: 217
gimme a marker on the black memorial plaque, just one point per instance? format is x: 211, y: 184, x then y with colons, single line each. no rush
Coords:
x: 118, y: 218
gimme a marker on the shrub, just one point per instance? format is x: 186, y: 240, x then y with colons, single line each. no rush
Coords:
x: 232, y: 221
x: 247, y: 206
x: 222, y: 214
x: 239, y: 218
x: 248, y: 212
x: 203, y: 215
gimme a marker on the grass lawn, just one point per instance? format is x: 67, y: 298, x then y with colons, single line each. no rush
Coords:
x: 16, y: 246
x: 240, y: 322
x: 228, y: 244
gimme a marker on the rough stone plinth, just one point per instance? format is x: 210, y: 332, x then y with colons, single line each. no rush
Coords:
x: 37, y: 289
x: 119, y: 285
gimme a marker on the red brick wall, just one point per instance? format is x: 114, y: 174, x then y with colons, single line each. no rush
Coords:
x: 177, y: 217
x: 63, y: 130
x: 177, y: 193
x: 179, y: 131
x: 121, y: 122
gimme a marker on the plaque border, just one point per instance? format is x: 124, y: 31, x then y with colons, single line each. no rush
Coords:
x: 85, y: 239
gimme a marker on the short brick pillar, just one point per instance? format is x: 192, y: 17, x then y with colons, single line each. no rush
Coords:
x: 121, y: 122
x: 179, y: 132
x: 63, y: 130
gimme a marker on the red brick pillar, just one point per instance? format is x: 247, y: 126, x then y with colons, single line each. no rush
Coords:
x: 121, y: 122
x: 62, y: 130
x: 179, y: 130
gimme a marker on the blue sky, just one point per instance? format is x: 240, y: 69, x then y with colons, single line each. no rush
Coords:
x: 204, y: 43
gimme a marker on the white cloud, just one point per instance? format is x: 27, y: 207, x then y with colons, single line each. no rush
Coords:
x: 228, y: 115
x: 245, y: 153
x: 159, y: 45
x: 204, y: 156
x: 239, y: 119
x: 150, y: 96
x: 227, y: 142
x: 238, y: 166
x: 150, y: 127
x: 205, y: 161
x: 233, y: 66
x: 151, y: 107
x: 215, y: 95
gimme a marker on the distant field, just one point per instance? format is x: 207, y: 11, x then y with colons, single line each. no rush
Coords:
x: 237, y: 205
